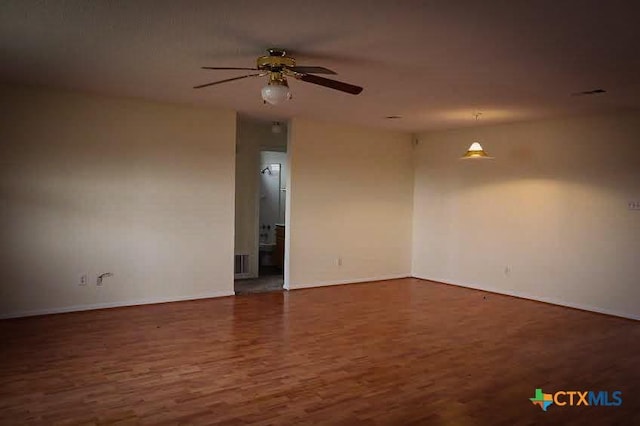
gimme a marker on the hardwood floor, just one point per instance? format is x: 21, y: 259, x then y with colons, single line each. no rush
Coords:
x: 394, y: 352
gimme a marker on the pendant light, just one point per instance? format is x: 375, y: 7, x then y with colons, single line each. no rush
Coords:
x: 276, y: 127
x: 476, y: 151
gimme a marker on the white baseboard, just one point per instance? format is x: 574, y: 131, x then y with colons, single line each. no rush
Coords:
x: 549, y: 300
x: 349, y: 281
x: 149, y: 301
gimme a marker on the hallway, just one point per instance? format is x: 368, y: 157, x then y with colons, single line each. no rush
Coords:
x: 271, y: 279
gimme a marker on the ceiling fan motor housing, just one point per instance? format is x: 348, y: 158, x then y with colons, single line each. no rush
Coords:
x: 275, y: 63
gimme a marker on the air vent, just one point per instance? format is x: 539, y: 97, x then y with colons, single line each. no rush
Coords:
x: 241, y: 264
x: 589, y: 92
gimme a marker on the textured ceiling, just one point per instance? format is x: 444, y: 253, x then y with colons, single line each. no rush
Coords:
x: 434, y: 63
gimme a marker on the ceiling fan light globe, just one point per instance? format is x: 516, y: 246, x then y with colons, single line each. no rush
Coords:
x: 275, y: 94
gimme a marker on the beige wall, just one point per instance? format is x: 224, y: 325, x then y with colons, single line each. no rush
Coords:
x: 252, y: 136
x: 552, y: 207
x: 93, y: 184
x: 350, y: 197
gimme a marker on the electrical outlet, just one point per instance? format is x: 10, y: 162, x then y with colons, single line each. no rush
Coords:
x: 83, y: 279
x: 339, y: 261
x: 507, y: 270
x: 634, y: 205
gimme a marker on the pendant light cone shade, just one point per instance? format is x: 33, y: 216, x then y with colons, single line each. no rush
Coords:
x: 475, y: 151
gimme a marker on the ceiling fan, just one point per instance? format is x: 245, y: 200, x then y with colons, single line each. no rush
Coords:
x: 278, y: 66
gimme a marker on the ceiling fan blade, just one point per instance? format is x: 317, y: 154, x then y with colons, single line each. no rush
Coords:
x: 312, y: 70
x: 225, y: 80
x: 332, y: 84
x: 229, y: 68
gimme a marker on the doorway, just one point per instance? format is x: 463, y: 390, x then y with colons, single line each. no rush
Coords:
x: 261, y: 186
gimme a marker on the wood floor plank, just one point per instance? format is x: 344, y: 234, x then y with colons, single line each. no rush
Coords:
x: 392, y: 352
